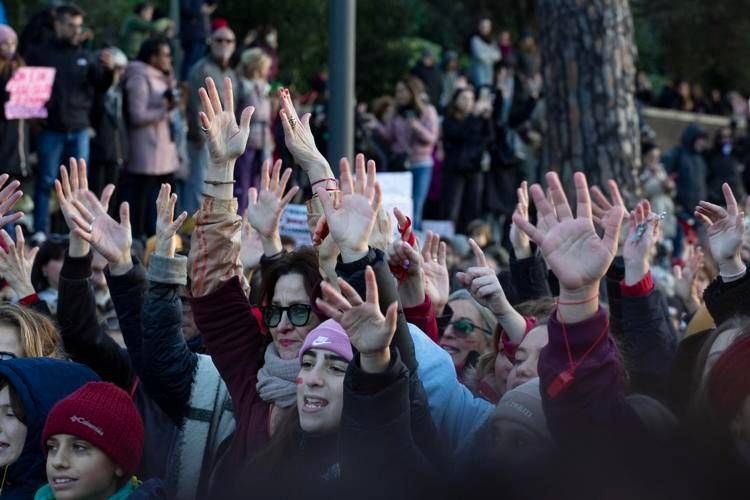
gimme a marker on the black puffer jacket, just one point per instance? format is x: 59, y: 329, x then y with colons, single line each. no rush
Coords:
x: 78, y: 75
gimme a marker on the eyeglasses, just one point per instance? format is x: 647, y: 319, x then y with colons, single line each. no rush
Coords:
x: 4, y: 356
x: 464, y: 327
x: 297, y: 314
x: 224, y: 40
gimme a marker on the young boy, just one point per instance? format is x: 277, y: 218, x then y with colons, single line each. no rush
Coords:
x: 93, y: 440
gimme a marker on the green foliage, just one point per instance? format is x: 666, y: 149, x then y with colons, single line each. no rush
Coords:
x: 302, y: 32
x: 390, y: 33
x: 104, y: 17
x: 697, y: 40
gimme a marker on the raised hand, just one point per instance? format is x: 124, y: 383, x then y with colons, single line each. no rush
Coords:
x: 518, y: 239
x: 15, y: 264
x: 298, y: 136
x: 686, y: 278
x: 401, y: 255
x: 109, y: 238
x: 483, y: 284
x: 601, y: 206
x: 9, y: 195
x: 226, y: 140
x: 369, y: 331
x: 639, y: 245
x: 73, y: 187
x: 725, y: 229
x: 166, y: 225
x: 351, y: 222
x: 574, y: 252
x: 264, y: 208
x: 436, y: 278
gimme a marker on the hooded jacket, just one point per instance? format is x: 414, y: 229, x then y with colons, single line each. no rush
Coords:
x: 690, y: 168
x: 40, y: 384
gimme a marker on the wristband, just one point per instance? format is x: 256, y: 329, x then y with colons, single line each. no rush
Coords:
x: 218, y: 183
x: 327, y: 179
x: 577, y: 302
x: 29, y: 300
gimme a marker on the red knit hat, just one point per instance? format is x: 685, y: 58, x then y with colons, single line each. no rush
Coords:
x: 728, y: 383
x: 105, y: 416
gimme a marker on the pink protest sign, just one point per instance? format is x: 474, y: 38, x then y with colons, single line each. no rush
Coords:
x: 29, y: 89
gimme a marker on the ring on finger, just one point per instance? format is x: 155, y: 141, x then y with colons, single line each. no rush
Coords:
x: 91, y: 224
x: 204, y: 129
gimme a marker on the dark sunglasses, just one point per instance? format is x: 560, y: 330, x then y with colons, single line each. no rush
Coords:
x: 4, y: 356
x: 224, y: 40
x: 298, y: 314
x: 464, y: 327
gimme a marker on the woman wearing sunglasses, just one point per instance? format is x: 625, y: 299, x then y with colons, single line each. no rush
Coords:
x: 258, y: 358
x: 476, y: 312
x: 469, y: 332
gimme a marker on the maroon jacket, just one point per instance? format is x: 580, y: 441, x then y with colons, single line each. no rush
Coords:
x: 594, y: 401
x: 235, y: 343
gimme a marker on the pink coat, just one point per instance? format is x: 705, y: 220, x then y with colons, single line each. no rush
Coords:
x: 419, y: 141
x: 152, y: 150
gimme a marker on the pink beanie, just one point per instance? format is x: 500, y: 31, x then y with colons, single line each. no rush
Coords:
x: 328, y: 336
x: 7, y: 33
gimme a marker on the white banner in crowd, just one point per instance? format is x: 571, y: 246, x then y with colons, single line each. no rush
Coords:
x: 441, y: 227
x: 396, y: 188
x: 294, y: 224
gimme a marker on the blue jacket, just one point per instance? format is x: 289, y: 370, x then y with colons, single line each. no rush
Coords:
x: 40, y: 384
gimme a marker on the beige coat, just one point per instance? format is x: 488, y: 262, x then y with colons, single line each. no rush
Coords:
x: 152, y: 150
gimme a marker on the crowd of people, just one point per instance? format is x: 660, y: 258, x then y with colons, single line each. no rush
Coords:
x: 171, y: 344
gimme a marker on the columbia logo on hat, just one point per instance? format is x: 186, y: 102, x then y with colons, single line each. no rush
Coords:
x: 83, y: 421
x: 321, y: 341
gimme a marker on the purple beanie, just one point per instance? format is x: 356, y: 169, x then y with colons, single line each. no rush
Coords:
x: 328, y: 336
x: 7, y: 33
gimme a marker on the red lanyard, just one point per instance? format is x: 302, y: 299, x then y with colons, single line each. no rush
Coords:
x: 566, y: 377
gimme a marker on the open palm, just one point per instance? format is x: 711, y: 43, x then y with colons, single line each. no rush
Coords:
x: 564, y: 248
x: 435, y: 269
x: 266, y: 206
x: 352, y: 221
x: 109, y: 238
x: 226, y: 140
x: 166, y: 225
x: 725, y: 227
x: 73, y: 186
x: 8, y: 197
x: 369, y: 331
x: 573, y: 251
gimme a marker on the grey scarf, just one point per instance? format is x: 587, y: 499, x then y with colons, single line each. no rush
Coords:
x: 277, y: 379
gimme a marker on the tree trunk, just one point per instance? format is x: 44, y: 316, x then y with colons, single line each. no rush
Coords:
x: 588, y: 58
